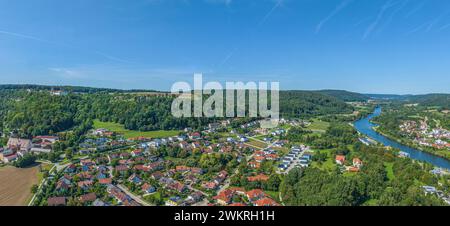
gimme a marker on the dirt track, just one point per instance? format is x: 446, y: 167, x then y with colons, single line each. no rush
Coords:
x: 15, y: 185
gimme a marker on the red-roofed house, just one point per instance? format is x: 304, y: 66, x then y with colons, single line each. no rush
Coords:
x: 265, y: 202
x: 209, y: 185
x: 88, y: 197
x: 56, y: 201
x: 105, y: 181
x: 340, y: 159
x: 255, y: 194
x: 224, y: 197
x: 254, y: 164
x: 237, y: 204
x: 357, y: 162
x: 353, y: 169
x: 260, y: 177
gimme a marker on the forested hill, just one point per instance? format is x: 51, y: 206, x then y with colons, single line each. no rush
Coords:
x: 77, y: 89
x: 431, y: 100
x: 33, y: 110
x: 345, y: 95
x: 305, y: 104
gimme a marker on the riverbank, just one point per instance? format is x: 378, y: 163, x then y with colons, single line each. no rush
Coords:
x: 366, y: 127
x: 410, y: 144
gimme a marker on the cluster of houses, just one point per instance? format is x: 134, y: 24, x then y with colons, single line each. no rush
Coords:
x: 149, y: 174
x: 356, y: 163
x: 101, y: 143
x: 83, y: 177
x: 297, y: 157
x: 434, y: 191
x: 18, y: 147
x: 425, y: 136
x: 240, y: 197
x: 263, y: 155
x: 130, y: 165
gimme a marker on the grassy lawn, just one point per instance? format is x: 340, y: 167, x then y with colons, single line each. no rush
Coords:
x: 371, y: 202
x: 349, y: 174
x: 282, y: 150
x: 328, y: 165
x: 260, y: 137
x: 119, y: 128
x: 319, y: 126
x: 257, y: 143
x: 389, y: 170
x: 274, y: 195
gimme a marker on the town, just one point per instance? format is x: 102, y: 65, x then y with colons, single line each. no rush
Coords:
x: 424, y: 135
x: 111, y: 170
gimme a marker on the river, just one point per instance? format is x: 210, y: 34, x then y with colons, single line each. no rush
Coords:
x: 365, y: 127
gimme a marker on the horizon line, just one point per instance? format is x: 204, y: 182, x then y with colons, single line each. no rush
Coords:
x: 168, y: 91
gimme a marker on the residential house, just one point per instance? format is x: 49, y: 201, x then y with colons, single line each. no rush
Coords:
x: 357, y: 163
x: 135, y: 179
x: 90, y: 197
x: 174, y: 201
x: 255, y: 194
x: 340, y: 159
x: 56, y: 201
x: 148, y: 189
x: 259, y: 177
x: 224, y: 198
x: 265, y: 202
x: 19, y: 144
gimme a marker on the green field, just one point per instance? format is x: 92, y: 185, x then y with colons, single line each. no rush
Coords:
x: 318, y: 126
x: 274, y: 195
x: 328, y: 165
x: 389, y: 170
x: 257, y: 143
x: 119, y: 128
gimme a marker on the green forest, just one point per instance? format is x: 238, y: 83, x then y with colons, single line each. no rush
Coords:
x: 36, y: 112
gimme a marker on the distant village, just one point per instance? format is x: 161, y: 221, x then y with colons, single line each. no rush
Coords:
x: 423, y: 135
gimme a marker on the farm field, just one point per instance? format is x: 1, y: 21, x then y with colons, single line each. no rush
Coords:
x: 15, y: 185
x: 318, y: 126
x: 119, y: 128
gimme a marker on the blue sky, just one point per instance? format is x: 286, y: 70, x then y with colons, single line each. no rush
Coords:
x: 370, y: 46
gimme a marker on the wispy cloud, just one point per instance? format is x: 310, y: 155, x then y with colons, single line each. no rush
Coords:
x: 38, y: 39
x: 388, y: 4
x: 333, y: 13
x: 278, y: 3
x: 228, y: 57
x: 113, y: 58
x: 429, y: 25
x: 444, y: 27
x: 418, y: 28
x: 225, y: 2
x: 401, y: 5
x: 416, y: 9
x: 24, y: 36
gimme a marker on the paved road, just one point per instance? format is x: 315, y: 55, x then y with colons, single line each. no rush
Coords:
x: 133, y: 196
x: 39, y: 190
